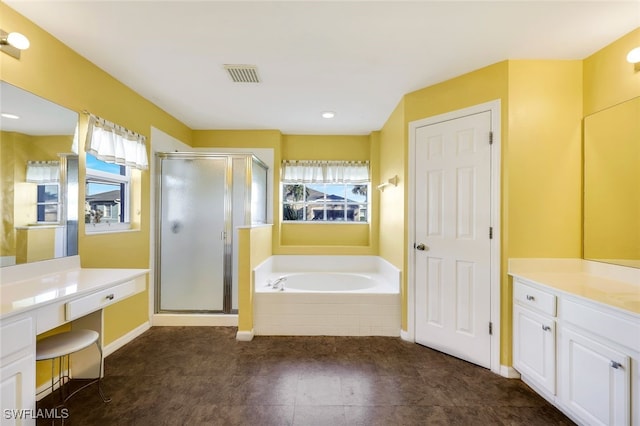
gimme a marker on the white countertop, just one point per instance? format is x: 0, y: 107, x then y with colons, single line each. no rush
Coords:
x: 19, y: 295
x: 583, y: 279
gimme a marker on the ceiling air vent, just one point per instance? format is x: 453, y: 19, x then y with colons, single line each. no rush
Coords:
x: 243, y: 73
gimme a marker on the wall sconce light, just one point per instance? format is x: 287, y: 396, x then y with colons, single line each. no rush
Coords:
x: 13, y: 43
x: 393, y: 181
x: 633, y: 57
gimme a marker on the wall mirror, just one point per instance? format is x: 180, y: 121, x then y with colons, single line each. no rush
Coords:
x: 612, y: 185
x: 39, y: 178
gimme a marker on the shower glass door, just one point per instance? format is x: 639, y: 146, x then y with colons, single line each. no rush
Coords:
x: 193, y: 232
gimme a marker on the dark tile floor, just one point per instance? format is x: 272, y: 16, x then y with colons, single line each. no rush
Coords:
x: 203, y: 376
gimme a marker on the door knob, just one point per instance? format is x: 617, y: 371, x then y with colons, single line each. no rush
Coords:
x: 420, y: 247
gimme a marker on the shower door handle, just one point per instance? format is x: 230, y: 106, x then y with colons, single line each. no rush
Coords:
x: 223, y: 235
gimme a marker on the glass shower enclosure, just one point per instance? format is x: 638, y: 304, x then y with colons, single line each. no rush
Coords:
x: 202, y: 198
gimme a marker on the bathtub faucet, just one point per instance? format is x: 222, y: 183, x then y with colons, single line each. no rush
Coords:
x: 279, y: 283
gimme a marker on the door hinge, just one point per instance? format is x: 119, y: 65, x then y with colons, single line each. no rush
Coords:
x: 490, y: 328
x: 491, y: 232
x: 490, y: 138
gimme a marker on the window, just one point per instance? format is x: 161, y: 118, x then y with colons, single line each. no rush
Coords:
x: 46, y: 177
x: 325, y: 191
x: 112, y: 153
x: 106, y: 195
x: 48, y: 203
x: 325, y: 202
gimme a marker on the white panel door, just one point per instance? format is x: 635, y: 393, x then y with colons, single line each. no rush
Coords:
x: 452, y: 218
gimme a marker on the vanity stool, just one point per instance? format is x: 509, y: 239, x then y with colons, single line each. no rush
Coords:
x: 62, y: 345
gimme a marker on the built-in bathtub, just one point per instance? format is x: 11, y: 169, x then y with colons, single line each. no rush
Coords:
x: 326, y: 295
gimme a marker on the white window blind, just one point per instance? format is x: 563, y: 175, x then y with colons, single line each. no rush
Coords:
x: 115, y: 144
x: 43, y: 171
x: 308, y: 171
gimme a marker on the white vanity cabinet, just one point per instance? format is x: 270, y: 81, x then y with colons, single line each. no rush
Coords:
x: 17, y: 370
x: 576, y: 341
x: 596, y: 349
x: 534, y: 337
x: 40, y: 296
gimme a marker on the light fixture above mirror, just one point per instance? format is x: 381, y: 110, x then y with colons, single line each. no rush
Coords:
x: 13, y: 43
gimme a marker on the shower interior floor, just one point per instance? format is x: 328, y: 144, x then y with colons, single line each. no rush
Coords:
x: 202, y: 375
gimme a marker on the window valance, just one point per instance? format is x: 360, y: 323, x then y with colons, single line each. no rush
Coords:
x: 43, y: 171
x: 309, y: 171
x: 115, y: 144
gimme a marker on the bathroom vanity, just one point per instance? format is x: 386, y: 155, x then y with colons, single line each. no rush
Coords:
x: 576, y: 336
x: 39, y: 297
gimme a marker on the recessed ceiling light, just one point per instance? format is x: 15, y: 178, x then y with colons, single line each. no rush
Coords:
x: 328, y: 114
x: 8, y: 115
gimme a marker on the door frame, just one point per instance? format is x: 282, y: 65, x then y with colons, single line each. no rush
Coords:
x: 494, y: 107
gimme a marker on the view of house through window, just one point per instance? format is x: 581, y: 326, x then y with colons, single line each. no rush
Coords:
x: 107, y: 193
x: 325, y: 202
x: 48, y: 202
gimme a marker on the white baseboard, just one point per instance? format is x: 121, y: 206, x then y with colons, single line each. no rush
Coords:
x: 211, y: 320
x: 123, y: 340
x: 404, y: 335
x: 245, y: 336
x: 509, y: 372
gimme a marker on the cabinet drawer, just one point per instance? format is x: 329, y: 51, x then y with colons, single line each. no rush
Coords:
x: 50, y: 317
x: 16, y: 336
x: 95, y: 301
x: 534, y: 298
x: 616, y: 327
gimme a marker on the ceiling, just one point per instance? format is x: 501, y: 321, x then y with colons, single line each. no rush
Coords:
x: 355, y: 58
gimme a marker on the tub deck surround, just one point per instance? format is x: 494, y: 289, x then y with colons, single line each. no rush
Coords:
x: 329, y: 295
x: 611, y: 285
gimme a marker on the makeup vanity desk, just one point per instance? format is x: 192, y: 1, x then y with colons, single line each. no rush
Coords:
x: 38, y: 297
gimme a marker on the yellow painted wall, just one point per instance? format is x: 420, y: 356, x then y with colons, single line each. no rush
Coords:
x: 608, y: 78
x: 34, y: 244
x: 254, y: 247
x: 324, y: 238
x: 477, y: 87
x: 540, y: 122
x: 7, y: 192
x: 609, y: 83
x: 18, y: 198
x: 544, y: 159
x: 77, y: 84
x: 391, y: 206
x: 612, y: 183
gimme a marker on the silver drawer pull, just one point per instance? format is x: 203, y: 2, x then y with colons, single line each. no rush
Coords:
x: 546, y: 328
x: 110, y: 296
x: 616, y: 365
x: 530, y: 298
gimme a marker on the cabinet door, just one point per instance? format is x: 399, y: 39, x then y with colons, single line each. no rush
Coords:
x: 534, y: 347
x: 17, y: 387
x: 594, y: 380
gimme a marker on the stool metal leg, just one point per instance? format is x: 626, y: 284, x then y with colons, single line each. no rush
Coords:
x: 99, y: 380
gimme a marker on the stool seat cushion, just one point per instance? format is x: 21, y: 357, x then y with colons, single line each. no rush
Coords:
x: 65, y: 343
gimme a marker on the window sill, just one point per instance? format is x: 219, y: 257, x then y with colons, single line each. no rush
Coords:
x: 323, y: 222
x: 91, y: 229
